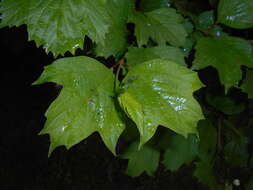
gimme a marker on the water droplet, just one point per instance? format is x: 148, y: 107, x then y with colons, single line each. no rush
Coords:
x: 148, y: 24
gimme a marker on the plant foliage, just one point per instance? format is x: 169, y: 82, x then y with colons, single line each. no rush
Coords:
x: 170, y: 63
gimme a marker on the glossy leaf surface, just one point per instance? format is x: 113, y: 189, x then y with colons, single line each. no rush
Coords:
x: 116, y: 39
x: 136, y: 55
x: 247, y: 85
x: 84, y: 105
x: 181, y: 151
x: 144, y: 160
x: 59, y: 26
x: 236, y: 13
x: 226, y: 54
x: 161, y: 25
x: 160, y: 92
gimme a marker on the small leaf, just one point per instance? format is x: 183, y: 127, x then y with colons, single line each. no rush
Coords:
x: 236, y: 13
x: 59, y: 26
x: 161, y: 25
x: 136, y: 55
x: 247, y: 85
x: 226, y: 54
x: 205, y: 20
x: 160, y: 92
x: 84, y: 105
x: 180, y: 151
x: 144, y: 160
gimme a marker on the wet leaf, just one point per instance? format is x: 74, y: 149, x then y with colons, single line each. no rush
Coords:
x: 59, y: 26
x: 136, y: 55
x: 144, y: 160
x: 236, y: 13
x: 150, y: 5
x: 226, y: 54
x: 180, y: 151
x: 116, y: 39
x: 84, y: 105
x: 247, y: 85
x: 160, y: 92
x: 161, y: 25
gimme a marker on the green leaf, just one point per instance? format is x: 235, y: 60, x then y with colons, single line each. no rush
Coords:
x: 160, y: 92
x: 146, y: 159
x: 150, y: 5
x: 180, y: 151
x: 59, y: 26
x: 247, y: 85
x: 136, y: 55
x: 84, y: 105
x: 161, y: 25
x: 116, y: 39
x: 226, y: 54
x: 205, y: 174
x: 208, y: 140
x: 225, y: 104
x: 236, y: 13
x: 236, y: 151
x: 205, y: 20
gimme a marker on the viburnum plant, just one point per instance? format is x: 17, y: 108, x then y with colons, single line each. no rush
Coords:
x: 159, y: 61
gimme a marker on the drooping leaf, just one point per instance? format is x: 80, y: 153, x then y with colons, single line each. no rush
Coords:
x: 236, y: 13
x: 180, y: 151
x: 161, y: 25
x: 59, y: 26
x: 84, y: 105
x: 116, y: 39
x: 144, y: 160
x: 226, y: 54
x: 160, y: 92
x: 247, y: 85
x: 136, y: 55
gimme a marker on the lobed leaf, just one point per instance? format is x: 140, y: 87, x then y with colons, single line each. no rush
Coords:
x: 236, y: 13
x: 160, y: 92
x: 59, y: 26
x: 84, y: 105
x: 161, y: 25
x: 226, y: 54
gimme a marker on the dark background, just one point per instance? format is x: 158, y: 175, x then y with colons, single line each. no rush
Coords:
x: 23, y: 153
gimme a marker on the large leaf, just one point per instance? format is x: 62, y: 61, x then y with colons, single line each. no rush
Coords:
x: 161, y: 25
x: 59, y: 26
x: 144, y: 160
x: 84, y: 105
x: 247, y: 85
x: 136, y: 55
x: 116, y: 39
x: 226, y: 54
x: 160, y: 92
x: 236, y: 13
x: 180, y: 151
